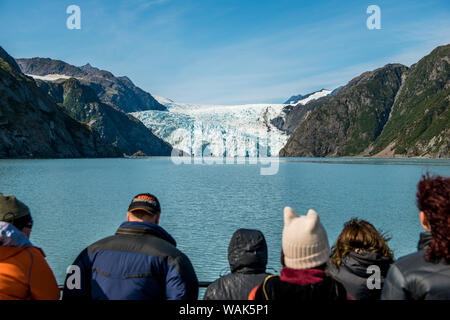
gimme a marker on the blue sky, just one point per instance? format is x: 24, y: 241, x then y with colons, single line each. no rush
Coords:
x: 229, y: 51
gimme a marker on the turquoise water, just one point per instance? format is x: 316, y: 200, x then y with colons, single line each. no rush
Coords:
x: 76, y: 202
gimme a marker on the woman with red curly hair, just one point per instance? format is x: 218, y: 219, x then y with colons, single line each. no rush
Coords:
x: 426, y: 273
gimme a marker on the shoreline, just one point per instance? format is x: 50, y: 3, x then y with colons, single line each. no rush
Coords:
x: 275, y: 157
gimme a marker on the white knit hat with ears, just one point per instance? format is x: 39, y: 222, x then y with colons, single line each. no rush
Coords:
x: 304, y: 241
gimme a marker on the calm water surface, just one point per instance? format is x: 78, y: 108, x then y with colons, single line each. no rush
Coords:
x: 76, y: 202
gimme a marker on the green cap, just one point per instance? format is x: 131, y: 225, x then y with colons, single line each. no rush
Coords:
x: 11, y: 208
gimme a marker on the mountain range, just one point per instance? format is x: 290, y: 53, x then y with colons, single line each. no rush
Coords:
x: 393, y: 111
x: 85, y: 125
x: 49, y: 108
x: 32, y: 125
x: 119, y: 91
x: 123, y: 130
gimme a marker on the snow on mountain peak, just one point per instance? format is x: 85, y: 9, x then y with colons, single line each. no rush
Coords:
x: 315, y: 96
x: 162, y: 100
x: 50, y: 77
x: 309, y: 97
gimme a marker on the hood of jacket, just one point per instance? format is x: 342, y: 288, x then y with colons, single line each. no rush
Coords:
x: 10, y: 236
x: 247, y: 251
x: 359, y: 262
x: 146, y: 228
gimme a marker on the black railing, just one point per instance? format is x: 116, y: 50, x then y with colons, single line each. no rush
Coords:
x: 204, y: 284
x: 201, y: 284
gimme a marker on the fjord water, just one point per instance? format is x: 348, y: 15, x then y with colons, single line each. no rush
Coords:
x: 75, y: 202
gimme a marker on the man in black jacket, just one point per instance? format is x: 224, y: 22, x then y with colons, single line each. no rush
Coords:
x: 247, y: 255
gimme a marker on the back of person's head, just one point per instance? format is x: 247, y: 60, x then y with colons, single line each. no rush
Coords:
x: 360, y: 236
x: 15, y: 212
x: 304, y: 241
x: 247, y: 251
x: 433, y: 199
x: 144, y: 207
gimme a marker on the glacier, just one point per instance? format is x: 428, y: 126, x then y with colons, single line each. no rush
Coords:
x: 217, y: 130
x: 221, y: 130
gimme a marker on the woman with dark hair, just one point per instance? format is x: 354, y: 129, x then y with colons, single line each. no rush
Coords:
x: 361, y: 259
x: 426, y: 273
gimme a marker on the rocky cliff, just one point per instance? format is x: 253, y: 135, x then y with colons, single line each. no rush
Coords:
x: 347, y: 122
x: 392, y: 111
x: 419, y: 123
x: 122, y: 130
x: 33, y: 125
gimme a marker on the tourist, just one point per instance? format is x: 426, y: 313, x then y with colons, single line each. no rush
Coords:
x: 361, y: 259
x: 24, y: 272
x: 247, y: 256
x: 425, y: 275
x: 305, y: 253
x: 139, y: 262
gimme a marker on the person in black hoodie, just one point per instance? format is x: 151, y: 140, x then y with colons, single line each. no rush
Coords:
x: 247, y: 255
x: 359, y: 253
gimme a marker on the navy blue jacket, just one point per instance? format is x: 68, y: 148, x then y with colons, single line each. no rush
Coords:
x: 139, y: 262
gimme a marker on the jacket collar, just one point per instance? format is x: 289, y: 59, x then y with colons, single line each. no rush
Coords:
x: 145, y: 228
x: 302, y: 276
x: 425, y: 240
x: 250, y: 270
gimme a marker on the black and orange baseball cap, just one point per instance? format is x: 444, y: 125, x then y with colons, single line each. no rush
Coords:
x: 146, y: 202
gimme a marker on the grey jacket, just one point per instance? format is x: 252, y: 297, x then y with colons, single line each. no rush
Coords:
x: 354, y: 272
x: 413, y: 278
